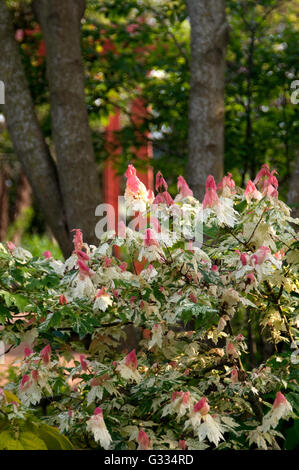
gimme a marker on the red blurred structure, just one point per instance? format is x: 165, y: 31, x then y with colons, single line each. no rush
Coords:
x: 111, y: 181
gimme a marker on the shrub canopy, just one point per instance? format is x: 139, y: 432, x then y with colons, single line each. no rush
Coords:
x: 187, y: 342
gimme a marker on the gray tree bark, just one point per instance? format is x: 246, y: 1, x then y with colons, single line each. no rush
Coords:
x: 26, y: 134
x: 293, y: 194
x: 209, y: 35
x: 80, y: 184
x: 4, y: 203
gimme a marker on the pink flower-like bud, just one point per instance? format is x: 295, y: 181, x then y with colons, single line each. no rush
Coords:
x: 251, y: 192
x: 186, y: 398
x: 192, y: 298
x: 28, y: 351
x: 101, y: 292
x: 280, y: 399
x: 159, y: 199
x: 202, y: 407
x: 167, y: 198
x: 160, y: 182
x: 226, y: 182
x: 123, y: 266
x: 62, y: 299
x: 269, y: 189
x: 131, y: 360
x: 244, y: 258
x: 34, y: 374
x: 261, y: 254
x: 83, y: 362
x: 211, y: 197
x: 234, y: 376
x: 47, y: 254
x: 176, y: 395
x: 183, y: 188
x: 107, y: 262
x: 11, y: 246
x: 214, y: 268
x: 164, y: 198
x: 98, y: 411
x: 83, y: 268
x: 24, y: 381
x: 134, y: 186
x: 82, y: 255
x: 264, y: 171
x: 268, y: 181
x: 149, y: 238
x: 182, y: 444
x: 143, y: 440
x: 45, y: 354
x: 231, y: 350
x: 78, y: 239
x: 250, y: 278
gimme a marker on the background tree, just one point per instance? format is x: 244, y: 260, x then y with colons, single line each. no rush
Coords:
x: 69, y: 178
x: 206, y: 100
x: 261, y: 122
x: 133, y: 49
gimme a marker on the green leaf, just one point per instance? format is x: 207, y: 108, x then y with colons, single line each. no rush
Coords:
x: 53, y: 439
x: 211, y: 232
x: 52, y: 320
x: 20, y: 301
x: 31, y: 441
x: 8, y: 442
x: 241, y: 206
x: 4, y: 313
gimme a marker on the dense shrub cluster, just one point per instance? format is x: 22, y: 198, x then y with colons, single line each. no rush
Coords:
x: 151, y: 351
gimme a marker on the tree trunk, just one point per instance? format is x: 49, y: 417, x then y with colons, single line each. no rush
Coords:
x: 4, y: 207
x: 78, y: 176
x: 209, y: 34
x: 26, y: 134
x: 293, y: 194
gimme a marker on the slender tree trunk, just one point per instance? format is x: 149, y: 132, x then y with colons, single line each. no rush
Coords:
x: 4, y: 208
x: 26, y: 134
x: 293, y: 194
x: 78, y: 176
x: 209, y: 34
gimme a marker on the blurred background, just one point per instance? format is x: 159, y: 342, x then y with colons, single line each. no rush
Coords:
x: 131, y: 64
